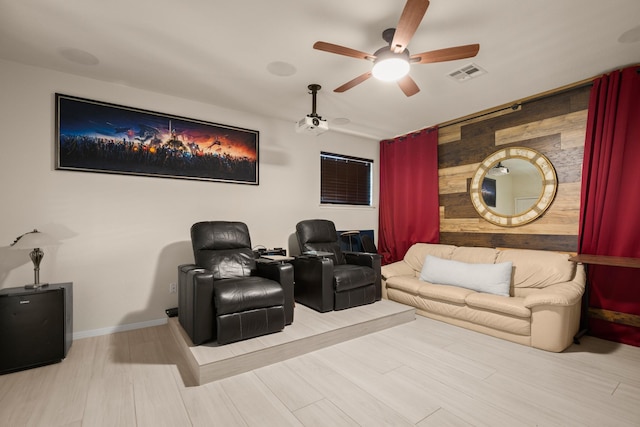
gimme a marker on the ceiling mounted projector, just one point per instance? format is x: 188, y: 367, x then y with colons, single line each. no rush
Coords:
x: 312, y: 124
x: 498, y: 170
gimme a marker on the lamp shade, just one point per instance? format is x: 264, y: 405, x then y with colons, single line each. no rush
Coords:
x: 33, y: 239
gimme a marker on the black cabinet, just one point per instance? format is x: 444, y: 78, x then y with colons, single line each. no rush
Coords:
x: 36, y: 326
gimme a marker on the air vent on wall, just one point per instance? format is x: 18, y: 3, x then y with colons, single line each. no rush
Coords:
x: 467, y: 72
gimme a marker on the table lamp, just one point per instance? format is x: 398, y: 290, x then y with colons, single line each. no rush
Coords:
x: 34, y: 240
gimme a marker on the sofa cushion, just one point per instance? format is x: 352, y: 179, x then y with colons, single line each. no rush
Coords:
x: 416, y: 254
x: 454, y: 294
x: 474, y: 254
x: 462, y: 313
x: 538, y: 269
x: 489, y: 278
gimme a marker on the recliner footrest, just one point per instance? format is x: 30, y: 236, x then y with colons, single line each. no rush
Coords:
x: 249, y: 324
x: 355, y: 297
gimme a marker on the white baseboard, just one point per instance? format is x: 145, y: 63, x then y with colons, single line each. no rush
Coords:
x: 119, y: 328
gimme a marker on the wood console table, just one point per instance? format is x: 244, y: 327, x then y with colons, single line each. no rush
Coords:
x: 600, y: 313
x: 613, y: 261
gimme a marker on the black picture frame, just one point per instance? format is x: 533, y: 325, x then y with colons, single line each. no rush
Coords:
x: 489, y: 192
x: 96, y: 136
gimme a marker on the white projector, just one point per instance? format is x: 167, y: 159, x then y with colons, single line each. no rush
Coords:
x: 312, y: 125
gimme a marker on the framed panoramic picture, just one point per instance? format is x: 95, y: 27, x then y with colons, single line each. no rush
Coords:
x: 489, y: 192
x: 96, y: 136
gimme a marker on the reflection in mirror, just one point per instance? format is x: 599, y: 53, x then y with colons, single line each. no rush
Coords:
x: 513, y: 186
x: 516, y: 186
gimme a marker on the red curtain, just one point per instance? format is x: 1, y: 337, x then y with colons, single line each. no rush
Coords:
x: 610, y: 199
x: 409, y: 211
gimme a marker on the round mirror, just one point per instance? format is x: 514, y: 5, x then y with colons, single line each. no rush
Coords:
x: 513, y: 186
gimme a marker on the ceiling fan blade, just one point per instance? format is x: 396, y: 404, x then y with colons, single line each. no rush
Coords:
x: 341, y: 50
x: 408, y: 86
x: 448, y: 54
x: 351, y: 83
x: 409, y: 21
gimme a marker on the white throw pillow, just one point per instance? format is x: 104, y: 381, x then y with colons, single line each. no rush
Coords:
x: 489, y: 278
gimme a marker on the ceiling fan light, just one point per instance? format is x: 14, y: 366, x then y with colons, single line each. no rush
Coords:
x: 390, y: 69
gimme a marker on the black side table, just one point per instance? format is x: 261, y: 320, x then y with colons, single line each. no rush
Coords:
x: 36, y: 326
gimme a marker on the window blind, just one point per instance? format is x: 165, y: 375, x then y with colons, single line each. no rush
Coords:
x: 345, y: 180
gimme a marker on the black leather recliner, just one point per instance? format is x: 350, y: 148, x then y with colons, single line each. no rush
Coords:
x: 327, y: 278
x: 226, y: 295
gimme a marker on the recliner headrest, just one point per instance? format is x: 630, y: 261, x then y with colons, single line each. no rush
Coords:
x: 319, y: 235
x: 223, y: 247
x: 220, y: 235
x: 316, y: 231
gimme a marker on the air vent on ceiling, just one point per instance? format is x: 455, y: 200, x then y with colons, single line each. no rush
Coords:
x: 467, y: 72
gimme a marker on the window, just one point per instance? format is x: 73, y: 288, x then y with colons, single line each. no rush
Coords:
x: 345, y: 180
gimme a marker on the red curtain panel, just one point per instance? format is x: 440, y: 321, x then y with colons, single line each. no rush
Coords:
x: 409, y: 211
x: 610, y: 199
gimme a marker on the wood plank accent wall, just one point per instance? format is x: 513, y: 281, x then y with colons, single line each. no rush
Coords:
x: 553, y: 125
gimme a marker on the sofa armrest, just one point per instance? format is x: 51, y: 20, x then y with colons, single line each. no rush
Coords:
x: 399, y: 268
x: 283, y: 274
x: 563, y: 294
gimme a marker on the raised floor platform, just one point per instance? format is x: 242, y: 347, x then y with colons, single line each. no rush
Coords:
x: 310, y: 331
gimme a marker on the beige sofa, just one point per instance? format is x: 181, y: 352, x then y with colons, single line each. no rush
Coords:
x: 545, y: 291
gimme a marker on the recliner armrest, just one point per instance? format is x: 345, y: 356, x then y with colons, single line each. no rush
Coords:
x: 362, y: 258
x: 195, y: 303
x: 313, y: 277
x: 368, y: 260
x: 283, y: 274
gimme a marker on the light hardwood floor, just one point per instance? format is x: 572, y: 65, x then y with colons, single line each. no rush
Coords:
x: 423, y: 373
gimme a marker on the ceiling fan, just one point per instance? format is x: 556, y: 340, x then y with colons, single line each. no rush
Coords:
x: 392, y: 62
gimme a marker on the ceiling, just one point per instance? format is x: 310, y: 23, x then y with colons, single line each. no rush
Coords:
x: 231, y: 53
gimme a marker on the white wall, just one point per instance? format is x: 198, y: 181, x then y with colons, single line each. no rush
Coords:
x: 122, y: 237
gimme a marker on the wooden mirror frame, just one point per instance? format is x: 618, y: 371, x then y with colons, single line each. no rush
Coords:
x: 547, y: 175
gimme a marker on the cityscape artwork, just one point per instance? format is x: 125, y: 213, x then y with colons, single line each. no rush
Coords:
x: 96, y: 136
